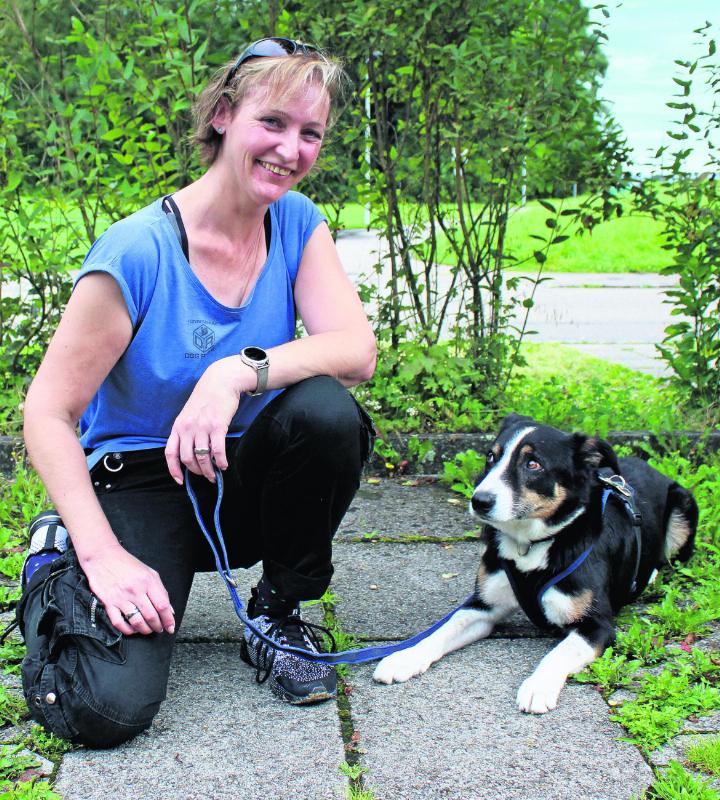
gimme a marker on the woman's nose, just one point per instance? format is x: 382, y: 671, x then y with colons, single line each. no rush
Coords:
x: 289, y: 146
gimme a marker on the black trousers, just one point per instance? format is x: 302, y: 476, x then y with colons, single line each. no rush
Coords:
x: 291, y: 478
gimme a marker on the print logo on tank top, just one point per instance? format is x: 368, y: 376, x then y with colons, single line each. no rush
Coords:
x: 203, y: 339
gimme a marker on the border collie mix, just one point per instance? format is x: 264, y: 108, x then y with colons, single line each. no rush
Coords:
x: 572, y: 534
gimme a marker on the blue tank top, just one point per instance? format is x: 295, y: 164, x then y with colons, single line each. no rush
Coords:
x: 179, y: 328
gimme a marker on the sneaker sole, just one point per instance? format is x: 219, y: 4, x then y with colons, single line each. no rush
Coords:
x: 319, y: 696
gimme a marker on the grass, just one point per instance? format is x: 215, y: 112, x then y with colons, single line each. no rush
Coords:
x: 559, y: 385
x: 706, y: 756
x: 631, y: 243
x: 572, y: 390
x: 623, y: 244
x: 676, y: 784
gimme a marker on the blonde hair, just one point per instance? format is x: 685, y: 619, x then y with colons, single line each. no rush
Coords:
x: 281, y: 76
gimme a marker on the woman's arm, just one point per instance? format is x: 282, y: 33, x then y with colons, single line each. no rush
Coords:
x: 340, y: 342
x: 92, y: 335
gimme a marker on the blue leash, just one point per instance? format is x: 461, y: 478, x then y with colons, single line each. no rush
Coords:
x: 359, y: 656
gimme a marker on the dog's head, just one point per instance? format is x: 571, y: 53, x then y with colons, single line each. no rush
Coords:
x: 537, y: 479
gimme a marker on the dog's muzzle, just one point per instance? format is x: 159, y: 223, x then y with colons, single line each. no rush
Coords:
x: 482, y: 504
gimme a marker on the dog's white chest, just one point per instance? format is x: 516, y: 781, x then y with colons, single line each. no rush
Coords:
x: 526, y: 559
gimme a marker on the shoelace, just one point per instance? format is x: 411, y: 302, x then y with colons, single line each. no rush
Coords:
x: 292, y: 630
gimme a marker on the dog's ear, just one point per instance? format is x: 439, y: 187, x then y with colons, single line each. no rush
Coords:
x: 515, y: 419
x: 595, y: 453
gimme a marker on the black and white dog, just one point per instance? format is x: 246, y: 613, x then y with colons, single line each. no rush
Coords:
x: 572, y: 534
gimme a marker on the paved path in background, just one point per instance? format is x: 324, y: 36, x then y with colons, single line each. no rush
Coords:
x: 452, y: 734
x: 617, y: 317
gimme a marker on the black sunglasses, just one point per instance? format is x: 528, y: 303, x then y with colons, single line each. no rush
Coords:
x: 272, y: 46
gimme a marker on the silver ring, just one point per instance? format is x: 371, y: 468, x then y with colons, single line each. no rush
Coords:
x: 202, y: 451
x: 129, y: 616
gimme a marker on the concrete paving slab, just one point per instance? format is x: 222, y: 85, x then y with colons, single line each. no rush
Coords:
x: 219, y: 735
x: 405, y: 509
x: 391, y: 591
x: 456, y: 734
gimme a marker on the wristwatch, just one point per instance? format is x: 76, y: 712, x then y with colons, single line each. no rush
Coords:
x: 257, y: 358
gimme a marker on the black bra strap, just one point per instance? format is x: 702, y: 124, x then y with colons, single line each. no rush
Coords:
x: 171, y: 208
x: 173, y: 212
x: 268, y: 230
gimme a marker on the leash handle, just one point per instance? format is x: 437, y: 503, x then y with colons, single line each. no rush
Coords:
x: 358, y: 656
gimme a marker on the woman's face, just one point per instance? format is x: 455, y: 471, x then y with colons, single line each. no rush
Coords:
x: 269, y: 144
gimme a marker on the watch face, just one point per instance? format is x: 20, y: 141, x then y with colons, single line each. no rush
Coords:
x: 255, y: 353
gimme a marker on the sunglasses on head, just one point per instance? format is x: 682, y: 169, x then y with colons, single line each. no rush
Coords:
x: 272, y: 47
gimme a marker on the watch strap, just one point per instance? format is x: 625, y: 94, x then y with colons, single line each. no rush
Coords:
x: 257, y: 358
x: 262, y: 380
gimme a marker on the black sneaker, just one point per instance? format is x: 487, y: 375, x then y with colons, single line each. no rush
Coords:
x: 292, y: 678
x: 48, y: 541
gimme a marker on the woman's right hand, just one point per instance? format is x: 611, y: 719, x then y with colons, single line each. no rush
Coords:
x: 123, y: 584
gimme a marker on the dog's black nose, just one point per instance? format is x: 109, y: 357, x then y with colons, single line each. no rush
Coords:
x: 482, y: 502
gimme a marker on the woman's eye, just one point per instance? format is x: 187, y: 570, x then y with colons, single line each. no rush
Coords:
x: 314, y: 135
x: 533, y: 465
x: 272, y: 121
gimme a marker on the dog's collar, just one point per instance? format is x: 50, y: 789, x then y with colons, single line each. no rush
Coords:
x: 524, y: 546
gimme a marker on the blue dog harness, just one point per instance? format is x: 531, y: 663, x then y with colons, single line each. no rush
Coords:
x: 345, y: 657
x: 615, y: 486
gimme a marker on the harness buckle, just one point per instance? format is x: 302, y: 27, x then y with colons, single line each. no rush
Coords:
x: 618, y: 483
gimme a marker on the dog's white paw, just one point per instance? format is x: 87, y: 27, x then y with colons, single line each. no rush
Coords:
x: 400, y: 667
x: 537, y: 696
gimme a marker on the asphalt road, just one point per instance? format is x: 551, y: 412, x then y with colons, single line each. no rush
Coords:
x: 619, y: 317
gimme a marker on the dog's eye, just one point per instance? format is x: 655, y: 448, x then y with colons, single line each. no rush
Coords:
x: 533, y: 464
x: 490, y: 458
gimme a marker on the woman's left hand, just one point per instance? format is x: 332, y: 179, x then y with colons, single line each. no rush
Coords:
x: 198, y: 434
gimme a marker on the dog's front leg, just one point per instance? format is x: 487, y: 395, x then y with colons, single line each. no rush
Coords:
x: 466, y: 626
x: 539, y: 693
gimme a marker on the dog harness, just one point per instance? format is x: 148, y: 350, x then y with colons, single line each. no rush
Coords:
x: 615, y: 486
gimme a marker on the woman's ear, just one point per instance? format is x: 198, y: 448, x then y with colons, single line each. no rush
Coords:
x: 223, y: 114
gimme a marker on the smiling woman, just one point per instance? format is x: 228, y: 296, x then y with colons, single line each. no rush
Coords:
x: 177, y: 355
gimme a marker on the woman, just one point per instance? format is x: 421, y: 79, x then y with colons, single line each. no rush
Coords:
x: 177, y: 354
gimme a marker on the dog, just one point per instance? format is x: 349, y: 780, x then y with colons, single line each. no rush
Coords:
x: 572, y: 534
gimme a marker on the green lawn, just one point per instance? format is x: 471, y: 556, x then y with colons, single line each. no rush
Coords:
x: 629, y: 243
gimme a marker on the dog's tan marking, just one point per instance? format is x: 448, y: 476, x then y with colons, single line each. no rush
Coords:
x: 543, y: 507
x: 480, y: 578
x: 677, y: 533
x: 565, y: 609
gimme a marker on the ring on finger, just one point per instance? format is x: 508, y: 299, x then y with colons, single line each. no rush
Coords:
x: 133, y: 613
x: 202, y: 451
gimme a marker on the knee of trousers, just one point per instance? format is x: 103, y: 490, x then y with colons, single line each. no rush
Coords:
x: 82, y: 679
x: 322, y: 410
x: 87, y: 708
